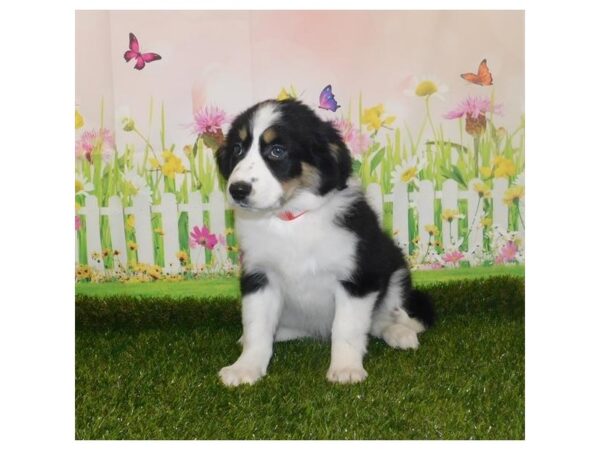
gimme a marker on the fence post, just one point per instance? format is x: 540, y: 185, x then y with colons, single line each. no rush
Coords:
x: 500, y: 209
x: 424, y: 199
x: 474, y: 215
x: 375, y: 199
x: 92, y: 231
x: 170, y: 218
x: 450, y: 201
x: 196, y: 218
x: 216, y: 209
x: 143, y: 228
x: 116, y: 221
x: 400, y: 213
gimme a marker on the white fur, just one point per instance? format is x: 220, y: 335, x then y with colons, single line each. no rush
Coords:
x: 266, y: 191
x: 304, y: 259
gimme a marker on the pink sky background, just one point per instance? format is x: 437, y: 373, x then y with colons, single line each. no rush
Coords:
x: 235, y: 58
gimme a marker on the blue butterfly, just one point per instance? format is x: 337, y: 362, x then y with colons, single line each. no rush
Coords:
x: 327, y: 99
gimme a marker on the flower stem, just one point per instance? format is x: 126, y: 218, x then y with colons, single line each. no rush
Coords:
x: 473, y: 221
x: 476, y: 142
x: 428, y: 112
x: 520, y: 216
x: 146, y: 141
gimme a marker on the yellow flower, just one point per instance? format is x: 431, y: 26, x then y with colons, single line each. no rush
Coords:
x: 486, y: 171
x: 513, y: 194
x: 504, y: 167
x: 154, y: 271
x: 79, y: 122
x: 154, y: 163
x: 482, y: 190
x: 128, y: 124
x: 432, y: 230
x: 229, y: 231
x: 97, y: 256
x: 132, y: 245
x: 159, y: 231
x: 172, y: 164
x: 182, y: 256
x: 450, y: 214
x: 486, y: 221
x: 372, y: 118
x: 83, y: 272
x: 78, y: 186
x: 425, y: 88
x: 233, y: 248
x: 106, y: 252
x: 287, y: 94
x: 130, y: 222
x: 188, y: 149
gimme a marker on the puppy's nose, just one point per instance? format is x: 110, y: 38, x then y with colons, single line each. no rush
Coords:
x: 240, y: 190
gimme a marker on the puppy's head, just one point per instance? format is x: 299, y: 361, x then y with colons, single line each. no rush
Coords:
x: 277, y: 149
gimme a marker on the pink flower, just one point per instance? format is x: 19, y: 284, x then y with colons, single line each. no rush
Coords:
x: 209, y: 119
x: 356, y: 141
x: 89, y: 139
x: 508, y: 253
x: 474, y: 107
x: 77, y: 223
x: 453, y: 257
x: 202, y: 237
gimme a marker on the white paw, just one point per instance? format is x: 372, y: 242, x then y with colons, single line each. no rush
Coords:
x: 401, y: 336
x: 237, y: 374
x: 346, y: 374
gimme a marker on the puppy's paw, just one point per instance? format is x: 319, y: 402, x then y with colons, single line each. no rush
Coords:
x: 237, y: 374
x: 401, y: 336
x: 346, y: 375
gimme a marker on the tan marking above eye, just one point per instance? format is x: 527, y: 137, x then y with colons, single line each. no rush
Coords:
x: 268, y: 135
x: 243, y: 133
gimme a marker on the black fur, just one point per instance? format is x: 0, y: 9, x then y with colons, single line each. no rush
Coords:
x: 307, y: 138
x: 252, y: 282
x: 377, y: 258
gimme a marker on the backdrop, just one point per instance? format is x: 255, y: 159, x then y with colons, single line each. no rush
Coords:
x: 430, y: 103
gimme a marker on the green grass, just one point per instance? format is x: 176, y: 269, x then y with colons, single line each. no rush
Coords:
x: 146, y: 368
x: 228, y: 287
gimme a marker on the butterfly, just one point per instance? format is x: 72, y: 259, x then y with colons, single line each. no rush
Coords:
x: 483, y: 77
x: 140, y: 58
x: 327, y: 99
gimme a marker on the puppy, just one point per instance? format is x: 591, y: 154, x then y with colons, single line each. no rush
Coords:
x: 315, y: 261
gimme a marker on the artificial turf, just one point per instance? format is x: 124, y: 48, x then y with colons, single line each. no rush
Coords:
x: 146, y: 368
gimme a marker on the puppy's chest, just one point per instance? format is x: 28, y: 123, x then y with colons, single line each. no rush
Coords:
x: 298, y: 251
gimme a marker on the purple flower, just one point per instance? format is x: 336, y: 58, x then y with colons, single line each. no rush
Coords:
x: 473, y: 107
x: 209, y: 119
x: 508, y: 253
x: 89, y: 139
x: 202, y: 237
x: 356, y: 141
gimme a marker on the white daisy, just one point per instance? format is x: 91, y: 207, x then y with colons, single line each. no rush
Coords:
x: 426, y: 86
x: 408, y: 171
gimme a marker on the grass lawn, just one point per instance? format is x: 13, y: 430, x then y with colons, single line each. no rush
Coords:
x: 228, y: 287
x: 146, y: 368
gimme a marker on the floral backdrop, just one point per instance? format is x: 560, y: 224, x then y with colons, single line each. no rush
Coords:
x: 418, y: 100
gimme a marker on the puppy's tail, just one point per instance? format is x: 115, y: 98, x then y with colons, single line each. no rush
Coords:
x: 419, y: 305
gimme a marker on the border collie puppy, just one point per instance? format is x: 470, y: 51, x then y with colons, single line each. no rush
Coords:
x: 315, y: 261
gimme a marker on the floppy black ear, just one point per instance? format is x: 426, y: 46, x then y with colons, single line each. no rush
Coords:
x: 335, y: 161
x: 223, y: 157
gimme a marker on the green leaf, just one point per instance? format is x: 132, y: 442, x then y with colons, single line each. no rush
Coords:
x: 356, y: 166
x: 377, y: 158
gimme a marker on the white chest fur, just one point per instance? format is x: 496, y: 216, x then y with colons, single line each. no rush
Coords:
x: 304, y: 258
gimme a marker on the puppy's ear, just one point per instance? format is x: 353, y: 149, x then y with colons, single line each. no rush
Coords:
x: 335, y: 160
x: 223, y: 157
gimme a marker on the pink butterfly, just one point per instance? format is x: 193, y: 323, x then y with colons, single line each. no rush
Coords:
x: 140, y: 58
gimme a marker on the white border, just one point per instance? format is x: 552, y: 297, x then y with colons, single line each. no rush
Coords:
x: 562, y: 188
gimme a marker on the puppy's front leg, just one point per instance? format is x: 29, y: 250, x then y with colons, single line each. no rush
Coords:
x: 261, y: 309
x: 349, y: 335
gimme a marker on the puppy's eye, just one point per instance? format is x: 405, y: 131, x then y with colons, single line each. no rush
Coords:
x: 277, y: 152
x: 238, y: 150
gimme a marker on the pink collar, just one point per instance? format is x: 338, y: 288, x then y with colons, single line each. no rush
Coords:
x: 288, y: 216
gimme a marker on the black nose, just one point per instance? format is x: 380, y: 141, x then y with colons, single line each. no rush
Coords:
x: 240, y: 190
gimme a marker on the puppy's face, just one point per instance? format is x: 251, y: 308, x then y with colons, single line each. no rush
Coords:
x: 276, y: 149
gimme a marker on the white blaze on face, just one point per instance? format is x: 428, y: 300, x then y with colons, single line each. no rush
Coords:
x: 267, y: 191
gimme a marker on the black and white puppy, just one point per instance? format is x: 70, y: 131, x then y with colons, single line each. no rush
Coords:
x: 315, y: 261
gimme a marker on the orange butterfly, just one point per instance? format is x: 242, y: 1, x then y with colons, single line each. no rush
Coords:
x: 483, y: 76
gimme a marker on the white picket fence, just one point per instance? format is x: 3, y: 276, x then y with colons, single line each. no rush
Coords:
x: 423, y: 199
x: 142, y: 211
